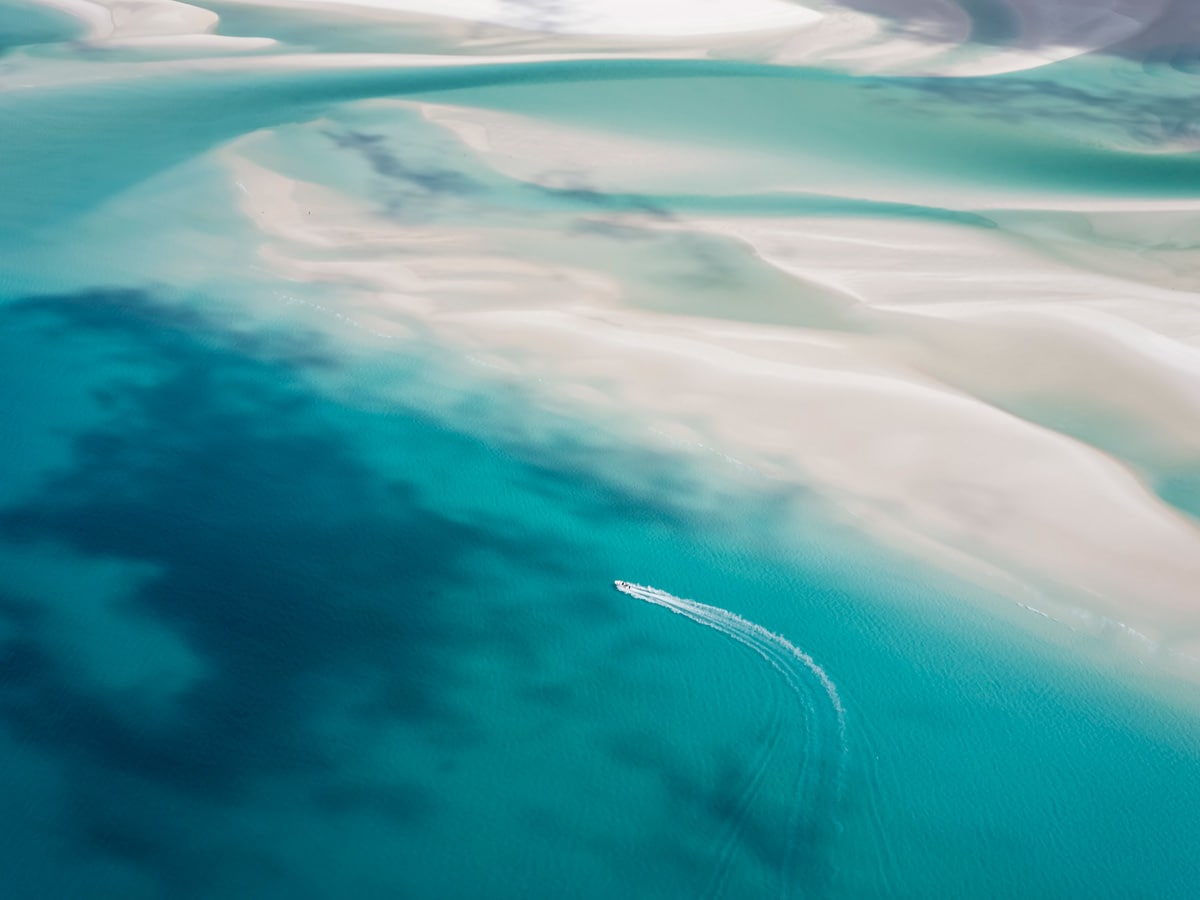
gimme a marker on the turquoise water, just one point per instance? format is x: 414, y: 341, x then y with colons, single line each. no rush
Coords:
x: 328, y: 647
x: 292, y: 609
x: 27, y: 24
x: 107, y: 138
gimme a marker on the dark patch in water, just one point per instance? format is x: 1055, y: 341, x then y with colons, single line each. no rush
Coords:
x: 409, y: 189
x: 388, y: 164
x: 1147, y: 116
x: 572, y: 188
x: 767, y: 834
x: 296, y: 574
x: 404, y: 804
x: 325, y: 599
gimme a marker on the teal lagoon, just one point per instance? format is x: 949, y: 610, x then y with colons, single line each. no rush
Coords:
x: 289, y: 608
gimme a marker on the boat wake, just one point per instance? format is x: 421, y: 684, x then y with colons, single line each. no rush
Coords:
x: 822, y: 766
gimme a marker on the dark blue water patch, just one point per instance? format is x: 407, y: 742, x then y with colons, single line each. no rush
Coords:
x: 388, y: 164
x: 253, y: 516
x: 314, y: 553
x: 783, y: 203
x: 308, y: 580
x: 284, y: 563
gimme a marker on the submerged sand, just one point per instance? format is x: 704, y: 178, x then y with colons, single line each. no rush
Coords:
x: 923, y: 377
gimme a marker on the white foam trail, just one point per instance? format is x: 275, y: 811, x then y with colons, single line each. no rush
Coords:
x: 744, y: 632
x: 799, y: 670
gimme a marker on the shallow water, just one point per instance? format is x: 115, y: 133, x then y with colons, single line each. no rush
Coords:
x: 27, y: 24
x: 300, y: 598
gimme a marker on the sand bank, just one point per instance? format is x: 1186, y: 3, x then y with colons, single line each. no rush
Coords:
x: 892, y: 425
x: 1000, y: 319
x: 921, y: 37
x: 918, y: 411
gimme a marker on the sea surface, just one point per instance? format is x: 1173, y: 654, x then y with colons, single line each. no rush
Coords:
x: 301, y: 599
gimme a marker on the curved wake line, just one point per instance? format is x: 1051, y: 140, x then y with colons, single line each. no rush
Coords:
x: 803, y: 676
x: 745, y: 632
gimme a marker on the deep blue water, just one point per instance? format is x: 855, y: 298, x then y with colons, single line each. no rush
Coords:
x: 266, y: 639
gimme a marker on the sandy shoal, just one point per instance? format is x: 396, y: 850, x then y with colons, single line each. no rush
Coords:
x: 892, y: 429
